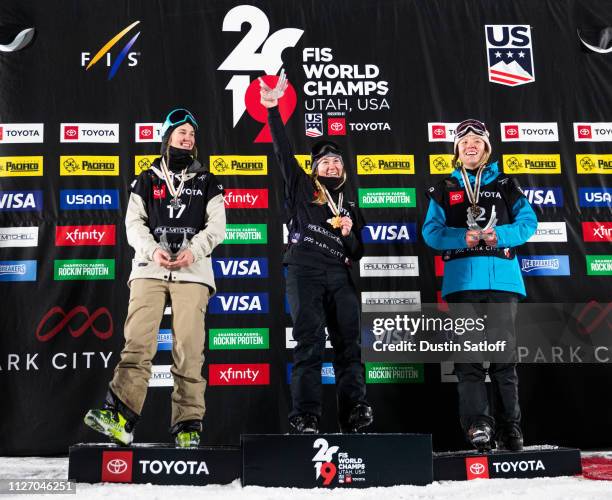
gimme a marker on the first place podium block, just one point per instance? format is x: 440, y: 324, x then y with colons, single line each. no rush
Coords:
x: 154, y: 463
x: 336, y: 460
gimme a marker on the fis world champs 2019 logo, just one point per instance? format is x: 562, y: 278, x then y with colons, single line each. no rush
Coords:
x: 509, y: 54
x: 132, y: 57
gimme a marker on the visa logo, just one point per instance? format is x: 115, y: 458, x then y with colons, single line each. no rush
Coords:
x: 545, y: 197
x: 389, y: 232
x: 21, y: 201
x: 240, y: 268
x: 245, y: 303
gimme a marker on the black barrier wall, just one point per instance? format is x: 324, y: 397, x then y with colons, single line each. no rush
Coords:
x: 388, y: 81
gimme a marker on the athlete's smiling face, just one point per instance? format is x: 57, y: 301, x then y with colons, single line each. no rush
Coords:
x: 330, y: 166
x: 183, y: 137
x: 471, y: 149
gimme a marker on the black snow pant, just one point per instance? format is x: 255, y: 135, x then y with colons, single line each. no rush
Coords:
x: 500, y: 409
x: 319, y: 298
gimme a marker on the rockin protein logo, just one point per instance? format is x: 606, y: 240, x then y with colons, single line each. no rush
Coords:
x: 57, y: 320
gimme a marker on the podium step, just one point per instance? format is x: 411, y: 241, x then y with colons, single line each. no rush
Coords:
x: 336, y: 460
x: 154, y: 463
x: 533, y: 461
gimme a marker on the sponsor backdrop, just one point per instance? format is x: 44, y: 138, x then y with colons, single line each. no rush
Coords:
x: 79, y: 117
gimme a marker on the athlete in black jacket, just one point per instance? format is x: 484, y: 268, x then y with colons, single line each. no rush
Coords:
x: 324, y: 237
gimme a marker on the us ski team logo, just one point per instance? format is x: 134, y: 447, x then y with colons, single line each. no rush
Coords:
x: 509, y: 54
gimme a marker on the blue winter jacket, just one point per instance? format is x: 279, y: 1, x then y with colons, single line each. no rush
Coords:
x: 480, y: 273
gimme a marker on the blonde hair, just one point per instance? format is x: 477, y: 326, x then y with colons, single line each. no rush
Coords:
x: 320, y: 198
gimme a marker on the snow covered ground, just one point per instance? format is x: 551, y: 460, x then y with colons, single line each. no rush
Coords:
x: 566, y: 488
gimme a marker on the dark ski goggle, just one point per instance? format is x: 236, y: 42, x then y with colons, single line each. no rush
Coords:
x: 467, y: 126
x: 178, y: 117
x: 324, y: 149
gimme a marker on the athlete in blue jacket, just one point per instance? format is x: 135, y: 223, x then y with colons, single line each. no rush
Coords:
x: 476, y: 218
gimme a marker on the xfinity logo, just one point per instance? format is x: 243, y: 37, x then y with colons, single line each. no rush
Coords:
x: 597, y: 231
x: 21, y: 133
x: 549, y: 232
x: 180, y: 467
x: 241, y: 268
x: 246, y: 198
x: 441, y: 132
x: 85, y: 235
x: 389, y: 232
x: 529, y: 132
x: 148, y: 132
x: 593, y: 132
x: 89, y: 132
x: 545, y: 197
x: 238, y: 374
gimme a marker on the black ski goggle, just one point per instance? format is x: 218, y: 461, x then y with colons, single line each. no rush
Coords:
x: 325, y: 149
x: 471, y: 125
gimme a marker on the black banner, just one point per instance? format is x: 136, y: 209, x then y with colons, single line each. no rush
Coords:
x: 80, y: 108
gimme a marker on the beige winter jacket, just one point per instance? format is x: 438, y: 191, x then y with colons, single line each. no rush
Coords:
x: 201, y: 245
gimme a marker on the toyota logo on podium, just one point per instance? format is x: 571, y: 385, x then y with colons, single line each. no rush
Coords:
x: 116, y: 466
x: 476, y: 469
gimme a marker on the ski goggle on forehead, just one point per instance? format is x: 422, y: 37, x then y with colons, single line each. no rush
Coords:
x: 326, y: 149
x: 474, y: 126
x: 178, y: 117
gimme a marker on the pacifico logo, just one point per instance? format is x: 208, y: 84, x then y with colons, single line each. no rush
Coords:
x: 594, y: 164
x: 143, y: 162
x: 532, y: 164
x: 132, y: 57
x: 21, y: 166
x: 21, y: 133
x: 239, y: 165
x: 89, y: 165
x: 385, y: 164
x: 441, y: 164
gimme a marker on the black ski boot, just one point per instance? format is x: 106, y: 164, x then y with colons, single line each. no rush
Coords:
x: 304, y: 424
x: 510, y: 437
x: 361, y: 416
x: 480, y: 436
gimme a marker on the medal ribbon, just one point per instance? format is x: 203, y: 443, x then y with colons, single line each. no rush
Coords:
x: 472, y: 194
x: 175, y: 192
x: 330, y: 202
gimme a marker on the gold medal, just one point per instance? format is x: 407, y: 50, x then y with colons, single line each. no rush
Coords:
x: 336, y: 222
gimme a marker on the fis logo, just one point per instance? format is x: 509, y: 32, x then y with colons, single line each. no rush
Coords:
x: 240, y: 268
x: 89, y: 199
x: 132, y: 57
x: 509, y: 54
x: 544, y: 197
x: 595, y: 197
x: 389, y: 232
x: 21, y: 133
x: 21, y: 201
x: 244, y: 303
